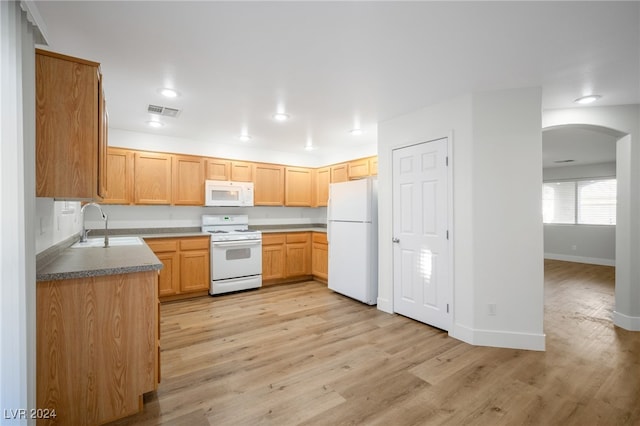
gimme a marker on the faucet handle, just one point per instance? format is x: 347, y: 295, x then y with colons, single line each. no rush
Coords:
x: 85, y: 234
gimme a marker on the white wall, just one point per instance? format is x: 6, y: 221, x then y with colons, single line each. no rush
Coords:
x: 580, y: 243
x: 55, y: 221
x: 152, y: 142
x: 625, y: 119
x: 496, y: 143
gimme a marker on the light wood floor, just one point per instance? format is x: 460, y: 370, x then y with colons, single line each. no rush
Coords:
x: 300, y: 354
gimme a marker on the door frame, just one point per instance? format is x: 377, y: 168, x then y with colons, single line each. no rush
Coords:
x: 450, y: 221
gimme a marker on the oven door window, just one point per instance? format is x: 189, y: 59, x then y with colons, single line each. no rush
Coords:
x: 238, y: 253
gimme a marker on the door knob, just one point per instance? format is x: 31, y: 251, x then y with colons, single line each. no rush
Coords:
x: 396, y: 240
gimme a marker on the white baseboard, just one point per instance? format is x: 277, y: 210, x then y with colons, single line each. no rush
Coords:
x: 626, y: 322
x: 581, y: 259
x: 385, y: 305
x: 499, y: 339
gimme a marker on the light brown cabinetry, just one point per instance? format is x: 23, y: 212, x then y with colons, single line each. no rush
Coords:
x: 321, y: 180
x: 242, y: 171
x: 358, y: 169
x: 152, y: 178
x: 320, y: 256
x: 298, y: 187
x: 188, y: 180
x: 97, y: 346
x: 119, y: 177
x: 286, y: 257
x: 273, y: 257
x: 186, y: 265
x: 70, y: 129
x: 339, y: 173
x: 298, y: 259
x: 218, y: 169
x: 373, y: 166
x: 268, y: 185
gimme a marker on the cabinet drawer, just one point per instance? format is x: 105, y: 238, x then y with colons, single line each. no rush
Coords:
x: 320, y: 237
x: 298, y: 237
x: 160, y: 245
x: 197, y: 243
x: 268, y: 239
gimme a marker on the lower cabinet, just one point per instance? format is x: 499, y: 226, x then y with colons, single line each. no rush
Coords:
x: 293, y: 256
x: 186, y: 263
x: 97, y: 346
x: 320, y: 256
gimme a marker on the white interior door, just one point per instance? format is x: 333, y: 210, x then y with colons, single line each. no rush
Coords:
x: 421, y: 283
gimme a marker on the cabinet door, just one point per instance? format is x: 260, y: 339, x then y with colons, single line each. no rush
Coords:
x: 169, y: 278
x: 67, y: 130
x: 218, y: 169
x: 241, y: 171
x: 298, y: 254
x: 152, y: 178
x: 321, y: 186
x: 188, y: 181
x: 119, y: 176
x: 339, y: 173
x: 194, y: 270
x: 297, y: 187
x: 358, y: 168
x: 273, y: 256
x: 269, y: 185
x: 373, y: 166
x: 320, y: 260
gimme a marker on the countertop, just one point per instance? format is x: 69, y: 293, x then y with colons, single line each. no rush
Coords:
x: 62, y: 262
x: 98, y: 261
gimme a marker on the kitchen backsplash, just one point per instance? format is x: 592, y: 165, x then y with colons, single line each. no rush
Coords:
x: 56, y: 221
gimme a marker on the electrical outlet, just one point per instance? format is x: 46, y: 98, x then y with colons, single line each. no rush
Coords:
x: 492, y: 308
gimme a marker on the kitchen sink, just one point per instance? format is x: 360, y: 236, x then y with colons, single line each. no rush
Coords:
x: 113, y: 241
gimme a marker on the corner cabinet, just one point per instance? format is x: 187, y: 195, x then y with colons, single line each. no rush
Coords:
x: 288, y: 257
x: 71, y: 128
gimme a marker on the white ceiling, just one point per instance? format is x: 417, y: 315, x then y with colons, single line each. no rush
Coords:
x: 337, y: 65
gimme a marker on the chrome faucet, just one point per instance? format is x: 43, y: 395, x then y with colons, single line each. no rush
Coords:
x: 85, y: 232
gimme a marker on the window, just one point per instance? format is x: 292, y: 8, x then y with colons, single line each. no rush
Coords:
x: 584, y: 202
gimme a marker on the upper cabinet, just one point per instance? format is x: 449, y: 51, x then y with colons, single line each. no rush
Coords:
x: 268, y: 185
x: 71, y: 128
x: 242, y: 171
x: 322, y: 178
x: 339, y: 173
x: 152, y: 178
x: 217, y: 169
x: 188, y: 180
x: 119, y: 176
x: 358, y: 169
x: 297, y: 187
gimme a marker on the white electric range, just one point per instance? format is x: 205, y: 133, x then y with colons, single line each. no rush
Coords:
x: 236, y: 253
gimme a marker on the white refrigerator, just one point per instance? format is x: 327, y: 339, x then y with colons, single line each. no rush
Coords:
x: 352, y: 232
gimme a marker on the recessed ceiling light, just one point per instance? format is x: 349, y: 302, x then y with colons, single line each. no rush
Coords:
x: 169, y: 93
x: 280, y: 116
x: 355, y: 132
x: 587, y: 99
x: 244, y: 138
x: 155, y: 124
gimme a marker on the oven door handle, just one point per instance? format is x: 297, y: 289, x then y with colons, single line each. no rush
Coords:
x: 236, y: 243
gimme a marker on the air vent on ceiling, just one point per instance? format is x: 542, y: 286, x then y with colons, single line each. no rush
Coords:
x: 160, y: 110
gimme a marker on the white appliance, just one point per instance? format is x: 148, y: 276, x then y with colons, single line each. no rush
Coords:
x: 352, y: 232
x: 236, y: 253
x: 226, y: 193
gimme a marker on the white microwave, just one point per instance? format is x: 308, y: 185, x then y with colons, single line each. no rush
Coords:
x: 225, y: 193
